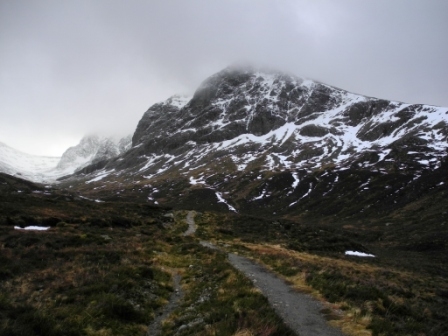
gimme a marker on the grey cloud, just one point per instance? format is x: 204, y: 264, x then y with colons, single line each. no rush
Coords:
x: 73, y: 67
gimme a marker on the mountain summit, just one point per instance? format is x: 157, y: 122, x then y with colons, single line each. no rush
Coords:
x: 244, y: 128
x: 289, y: 123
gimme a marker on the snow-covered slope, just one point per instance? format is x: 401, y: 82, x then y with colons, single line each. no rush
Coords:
x: 91, y: 149
x: 286, y: 122
x: 27, y: 166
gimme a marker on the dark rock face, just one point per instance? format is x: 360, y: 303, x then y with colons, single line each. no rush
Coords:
x: 228, y: 104
x: 159, y: 117
x: 313, y: 131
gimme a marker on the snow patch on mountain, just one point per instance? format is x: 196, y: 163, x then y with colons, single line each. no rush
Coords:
x: 222, y: 200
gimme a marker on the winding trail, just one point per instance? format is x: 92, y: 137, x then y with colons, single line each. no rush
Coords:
x: 155, y: 327
x: 299, y: 311
x: 191, y: 223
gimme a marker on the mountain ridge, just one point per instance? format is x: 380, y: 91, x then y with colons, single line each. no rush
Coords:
x: 334, y: 122
x: 276, y: 145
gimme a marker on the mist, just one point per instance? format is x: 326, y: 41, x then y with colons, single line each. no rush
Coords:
x: 80, y: 67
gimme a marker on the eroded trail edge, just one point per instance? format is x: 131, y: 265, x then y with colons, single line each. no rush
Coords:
x: 155, y: 328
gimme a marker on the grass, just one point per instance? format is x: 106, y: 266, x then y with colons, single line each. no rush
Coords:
x: 106, y: 268
x: 363, y: 298
x: 73, y: 279
x: 397, y: 293
x: 219, y: 300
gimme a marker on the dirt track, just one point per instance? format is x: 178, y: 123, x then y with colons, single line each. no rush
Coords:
x: 191, y: 224
x: 299, y: 311
x: 155, y: 327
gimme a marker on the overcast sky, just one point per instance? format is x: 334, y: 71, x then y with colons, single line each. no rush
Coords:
x: 69, y: 68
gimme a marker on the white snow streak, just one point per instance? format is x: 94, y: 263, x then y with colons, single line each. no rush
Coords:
x: 32, y: 228
x: 358, y: 254
x: 222, y: 200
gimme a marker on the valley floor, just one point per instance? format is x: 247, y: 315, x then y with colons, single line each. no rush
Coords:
x: 125, y: 268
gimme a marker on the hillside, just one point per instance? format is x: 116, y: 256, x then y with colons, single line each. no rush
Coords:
x: 107, y: 268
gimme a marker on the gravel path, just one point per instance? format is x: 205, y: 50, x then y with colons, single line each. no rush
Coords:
x: 155, y: 327
x: 191, y: 224
x: 299, y: 311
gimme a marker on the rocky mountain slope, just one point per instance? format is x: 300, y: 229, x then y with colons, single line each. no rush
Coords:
x: 250, y: 138
x: 286, y: 122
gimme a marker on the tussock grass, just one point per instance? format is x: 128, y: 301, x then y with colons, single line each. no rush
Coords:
x: 86, y: 287
x: 111, y: 275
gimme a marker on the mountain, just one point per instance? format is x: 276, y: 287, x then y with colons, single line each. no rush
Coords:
x: 294, y: 173
x: 90, y: 150
x: 273, y: 144
x: 289, y: 123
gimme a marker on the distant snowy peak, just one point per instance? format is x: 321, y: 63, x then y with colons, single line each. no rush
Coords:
x: 92, y: 149
x: 80, y: 154
x: 31, y: 167
x: 124, y: 144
